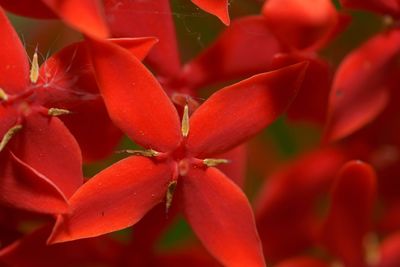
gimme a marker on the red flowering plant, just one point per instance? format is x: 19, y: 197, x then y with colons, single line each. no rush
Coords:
x: 194, y: 190
x: 177, y: 156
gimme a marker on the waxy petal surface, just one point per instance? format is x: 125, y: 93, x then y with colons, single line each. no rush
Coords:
x: 114, y: 199
x: 14, y: 67
x: 238, y: 112
x: 137, y: 18
x: 234, y: 54
x: 135, y: 100
x: 311, y: 102
x: 301, y: 24
x: 23, y: 187
x: 221, y: 216
x: 235, y: 169
x: 359, y: 93
x: 350, y: 213
x: 218, y: 8
x: 8, y: 119
x: 140, y: 47
x: 46, y: 145
x: 85, y: 16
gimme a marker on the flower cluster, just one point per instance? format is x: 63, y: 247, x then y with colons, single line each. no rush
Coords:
x: 115, y: 153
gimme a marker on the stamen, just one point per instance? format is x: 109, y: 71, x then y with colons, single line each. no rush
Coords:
x: 170, y: 195
x: 185, y: 121
x: 144, y: 153
x: 214, y: 162
x: 3, y: 95
x: 9, y: 134
x: 58, y: 111
x: 34, y: 75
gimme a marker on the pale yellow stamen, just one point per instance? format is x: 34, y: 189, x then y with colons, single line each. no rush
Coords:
x: 214, y: 162
x: 144, y: 153
x: 34, y: 75
x: 170, y: 195
x: 58, y: 111
x: 9, y: 134
x: 3, y: 95
x: 185, y: 121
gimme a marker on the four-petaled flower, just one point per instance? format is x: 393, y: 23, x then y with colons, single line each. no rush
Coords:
x: 178, y: 156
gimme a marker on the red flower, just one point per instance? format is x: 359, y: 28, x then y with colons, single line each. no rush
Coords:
x: 298, y: 28
x: 177, y: 155
x: 40, y: 160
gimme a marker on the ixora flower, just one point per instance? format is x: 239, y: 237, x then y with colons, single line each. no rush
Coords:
x: 40, y: 161
x: 177, y: 160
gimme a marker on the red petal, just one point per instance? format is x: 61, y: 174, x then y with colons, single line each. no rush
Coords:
x: 218, y: 8
x: 136, y: 18
x: 28, y: 8
x: 349, y: 217
x: 359, y: 93
x: 8, y: 119
x: 384, y: 7
x: 85, y: 16
x: 221, y: 216
x: 135, y: 100
x: 234, y: 54
x: 296, y: 186
x: 236, y: 168
x: 139, y: 47
x: 23, y: 187
x: 14, y: 67
x: 47, y: 146
x: 93, y: 252
x: 237, y: 112
x: 115, y: 198
x: 301, y: 24
x: 302, y: 262
x: 311, y: 102
x: 389, y: 255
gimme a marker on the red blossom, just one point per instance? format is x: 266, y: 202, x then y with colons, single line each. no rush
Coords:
x: 177, y: 155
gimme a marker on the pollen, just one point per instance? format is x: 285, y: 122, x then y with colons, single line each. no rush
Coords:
x: 185, y: 121
x: 58, y: 111
x: 144, y: 153
x: 170, y: 195
x: 34, y: 74
x: 9, y: 134
x: 214, y: 162
x: 3, y: 95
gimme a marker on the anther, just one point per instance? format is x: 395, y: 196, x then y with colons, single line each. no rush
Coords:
x: 34, y: 74
x: 170, y: 195
x: 3, y: 95
x: 185, y: 121
x: 214, y: 162
x: 9, y: 134
x: 144, y: 153
x: 58, y: 111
